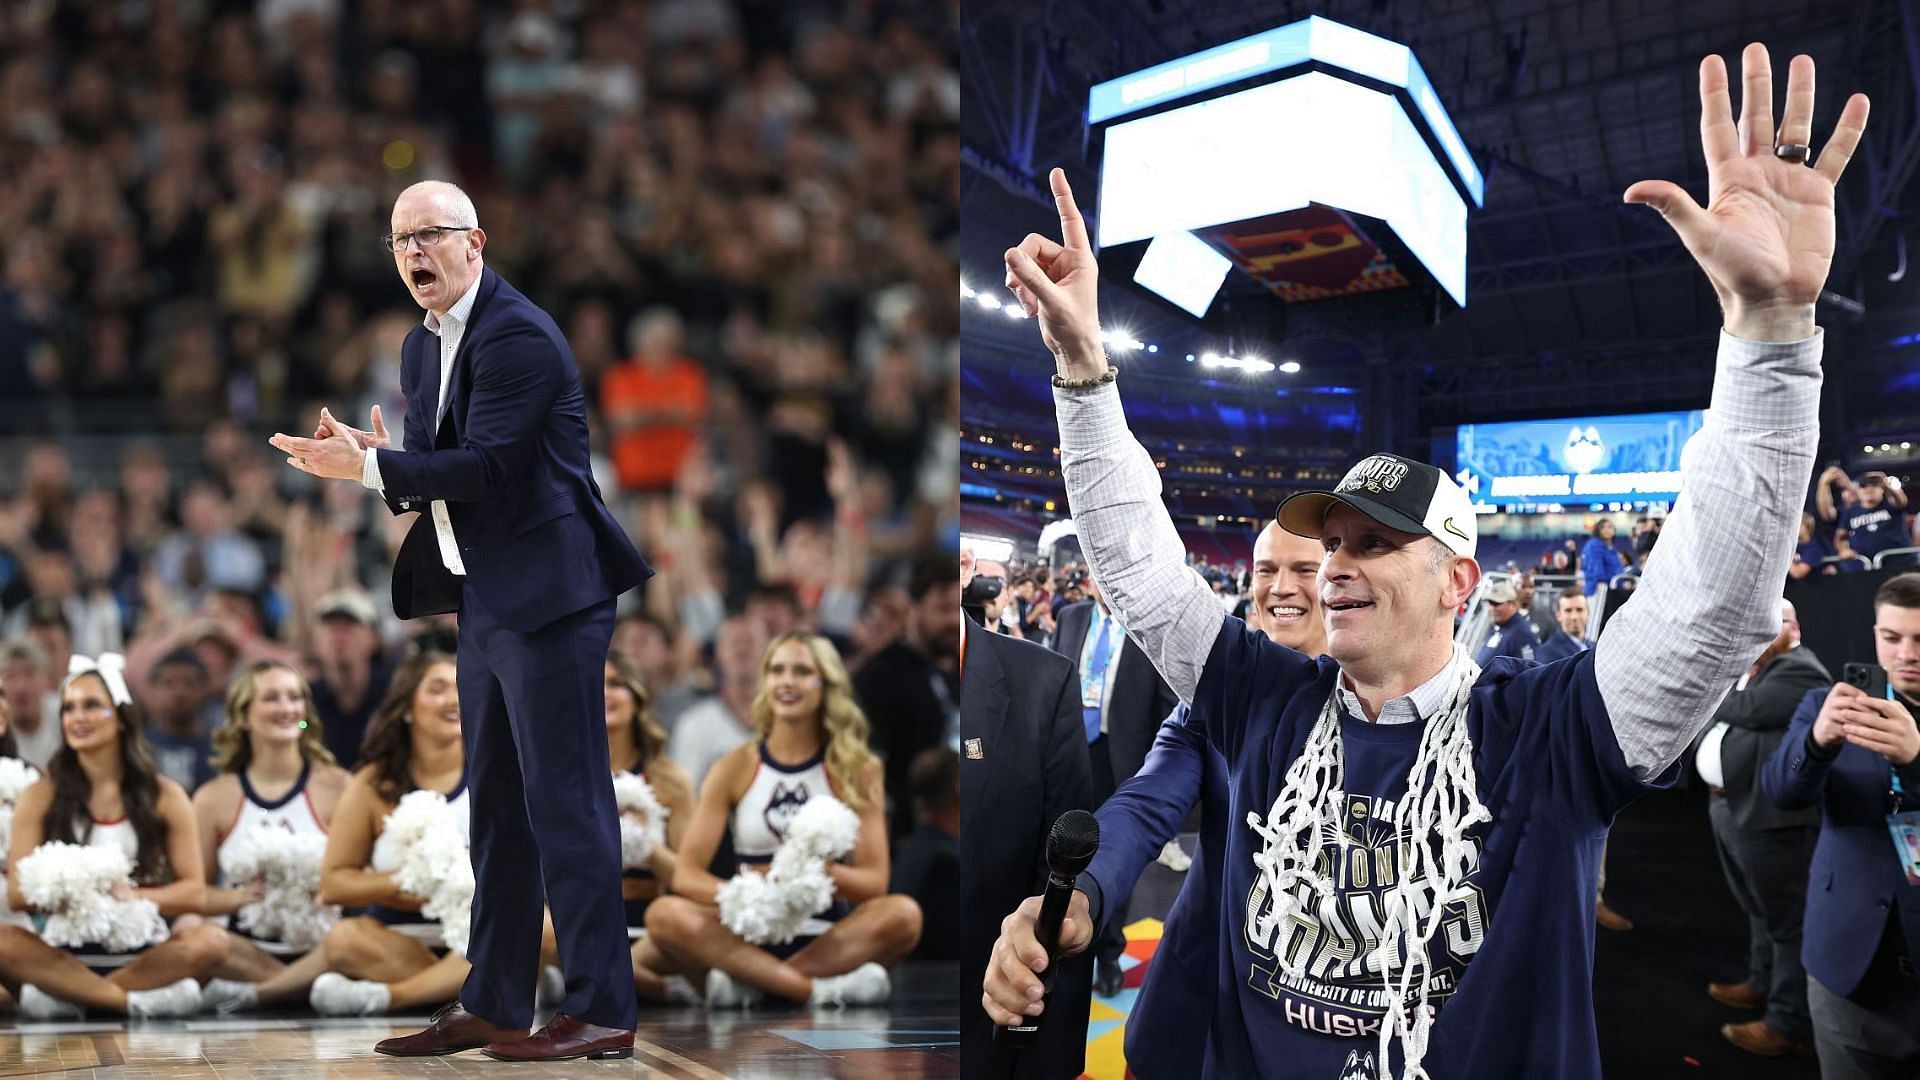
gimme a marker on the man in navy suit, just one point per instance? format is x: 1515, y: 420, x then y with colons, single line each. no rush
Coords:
x: 1858, y: 759
x: 1023, y: 764
x: 514, y: 536
x: 1570, y: 609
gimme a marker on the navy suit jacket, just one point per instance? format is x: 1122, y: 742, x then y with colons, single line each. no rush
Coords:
x: 1558, y: 647
x: 510, y: 458
x: 1167, y: 1029
x: 1025, y: 765
x: 1855, y: 878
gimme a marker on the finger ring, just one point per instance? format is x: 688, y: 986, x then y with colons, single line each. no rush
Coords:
x: 1794, y: 152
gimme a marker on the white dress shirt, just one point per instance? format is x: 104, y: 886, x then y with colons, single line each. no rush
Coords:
x: 1693, y: 626
x: 450, y: 330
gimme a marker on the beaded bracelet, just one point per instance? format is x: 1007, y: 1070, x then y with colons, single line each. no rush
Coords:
x: 1110, y: 375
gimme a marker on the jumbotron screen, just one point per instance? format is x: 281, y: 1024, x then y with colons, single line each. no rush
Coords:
x: 1628, y: 462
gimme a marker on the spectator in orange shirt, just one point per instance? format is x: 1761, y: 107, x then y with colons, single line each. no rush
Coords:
x: 654, y: 402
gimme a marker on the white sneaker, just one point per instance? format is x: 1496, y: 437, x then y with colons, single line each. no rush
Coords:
x: 40, y: 1005
x: 867, y: 984
x: 179, y: 999
x: 1174, y: 857
x: 724, y: 993
x: 552, y: 989
x: 334, y: 994
x: 228, y: 995
x: 680, y: 991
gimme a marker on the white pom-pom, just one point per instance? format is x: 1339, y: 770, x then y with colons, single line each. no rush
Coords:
x: 643, y: 820
x: 72, y: 883
x: 290, y: 910
x: 424, y: 847
x: 755, y: 907
x: 770, y: 909
x: 824, y: 828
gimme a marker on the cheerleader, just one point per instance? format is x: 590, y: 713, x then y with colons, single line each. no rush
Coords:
x: 391, y: 958
x: 276, y: 779
x: 102, y: 790
x: 637, y: 744
x: 812, y: 740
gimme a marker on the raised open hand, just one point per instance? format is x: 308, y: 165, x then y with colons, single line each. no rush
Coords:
x: 1056, y: 282
x: 1765, y: 237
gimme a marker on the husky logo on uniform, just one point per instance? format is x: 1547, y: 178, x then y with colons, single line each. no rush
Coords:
x: 1359, y: 1066
x: 1584, y: 451
x: 782, y: 805
x: 1376, y: 474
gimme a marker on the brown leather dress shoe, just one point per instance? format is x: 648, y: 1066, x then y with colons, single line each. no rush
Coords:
x: 1610, y: 919
x: 1762, y: 1038
x: 562, y: 1039
x: 1740, y: 995
x: 450, y: 1031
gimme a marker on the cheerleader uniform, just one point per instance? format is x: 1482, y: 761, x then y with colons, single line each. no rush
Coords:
x: 760, y: 821
x: 119, y: 834
x: 412, y: 923
x: 292, y: 814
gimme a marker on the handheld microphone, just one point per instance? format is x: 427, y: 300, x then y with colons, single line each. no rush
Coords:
x: 1070, y: 847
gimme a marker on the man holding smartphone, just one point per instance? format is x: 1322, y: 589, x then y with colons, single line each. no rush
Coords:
x: 1854, y: 751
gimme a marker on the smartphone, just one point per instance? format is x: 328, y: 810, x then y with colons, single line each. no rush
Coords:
x: 1870, y: 678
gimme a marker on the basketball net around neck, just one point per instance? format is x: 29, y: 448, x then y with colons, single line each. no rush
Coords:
x: 1441, y: 800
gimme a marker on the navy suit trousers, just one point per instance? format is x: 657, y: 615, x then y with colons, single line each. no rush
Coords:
x: 532, y: 708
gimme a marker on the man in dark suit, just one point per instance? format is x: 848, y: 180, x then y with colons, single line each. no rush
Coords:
x: 513, y: 535
x: 1764, y: 850
x: 1123, y: 701
x: 1570, y: 610
x: 1023, y: 763
x: 1857, y: 758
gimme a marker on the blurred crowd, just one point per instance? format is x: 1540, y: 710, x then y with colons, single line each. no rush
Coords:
x: 742, y: 213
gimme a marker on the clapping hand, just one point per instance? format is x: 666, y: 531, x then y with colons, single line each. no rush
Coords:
x: 1766, y: 236
x: 336, y: 450
x: 377, y: 439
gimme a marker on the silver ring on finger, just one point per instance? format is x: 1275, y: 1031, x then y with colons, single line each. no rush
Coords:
x: 1798, y: 153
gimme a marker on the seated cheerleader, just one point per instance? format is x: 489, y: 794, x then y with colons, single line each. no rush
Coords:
x: 102, y: 790
x: 812, y: 740
x: 391, y: 958
x: 276, y: 779
x: 637, y: 744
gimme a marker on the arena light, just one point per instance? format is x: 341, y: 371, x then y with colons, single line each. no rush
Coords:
x: 966, y: 291
x: 1120, y: 341
x: 1291, y: 367
x: 1015, y: 311
x: 986, y: 301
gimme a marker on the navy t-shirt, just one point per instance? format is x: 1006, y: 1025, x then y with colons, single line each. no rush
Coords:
x: 1870, y: 532
x: 1513, y: 957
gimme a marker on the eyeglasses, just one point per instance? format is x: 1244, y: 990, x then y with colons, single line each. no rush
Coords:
x: 428, y: 235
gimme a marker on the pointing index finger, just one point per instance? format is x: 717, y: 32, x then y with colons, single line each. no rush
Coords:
x: 1073, y: 228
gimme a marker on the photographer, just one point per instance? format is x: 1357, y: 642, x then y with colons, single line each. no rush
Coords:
x: 985, y: 599
x: 1854, y: 752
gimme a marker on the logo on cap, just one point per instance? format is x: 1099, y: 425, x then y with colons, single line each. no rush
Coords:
x: 1376, y: 474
